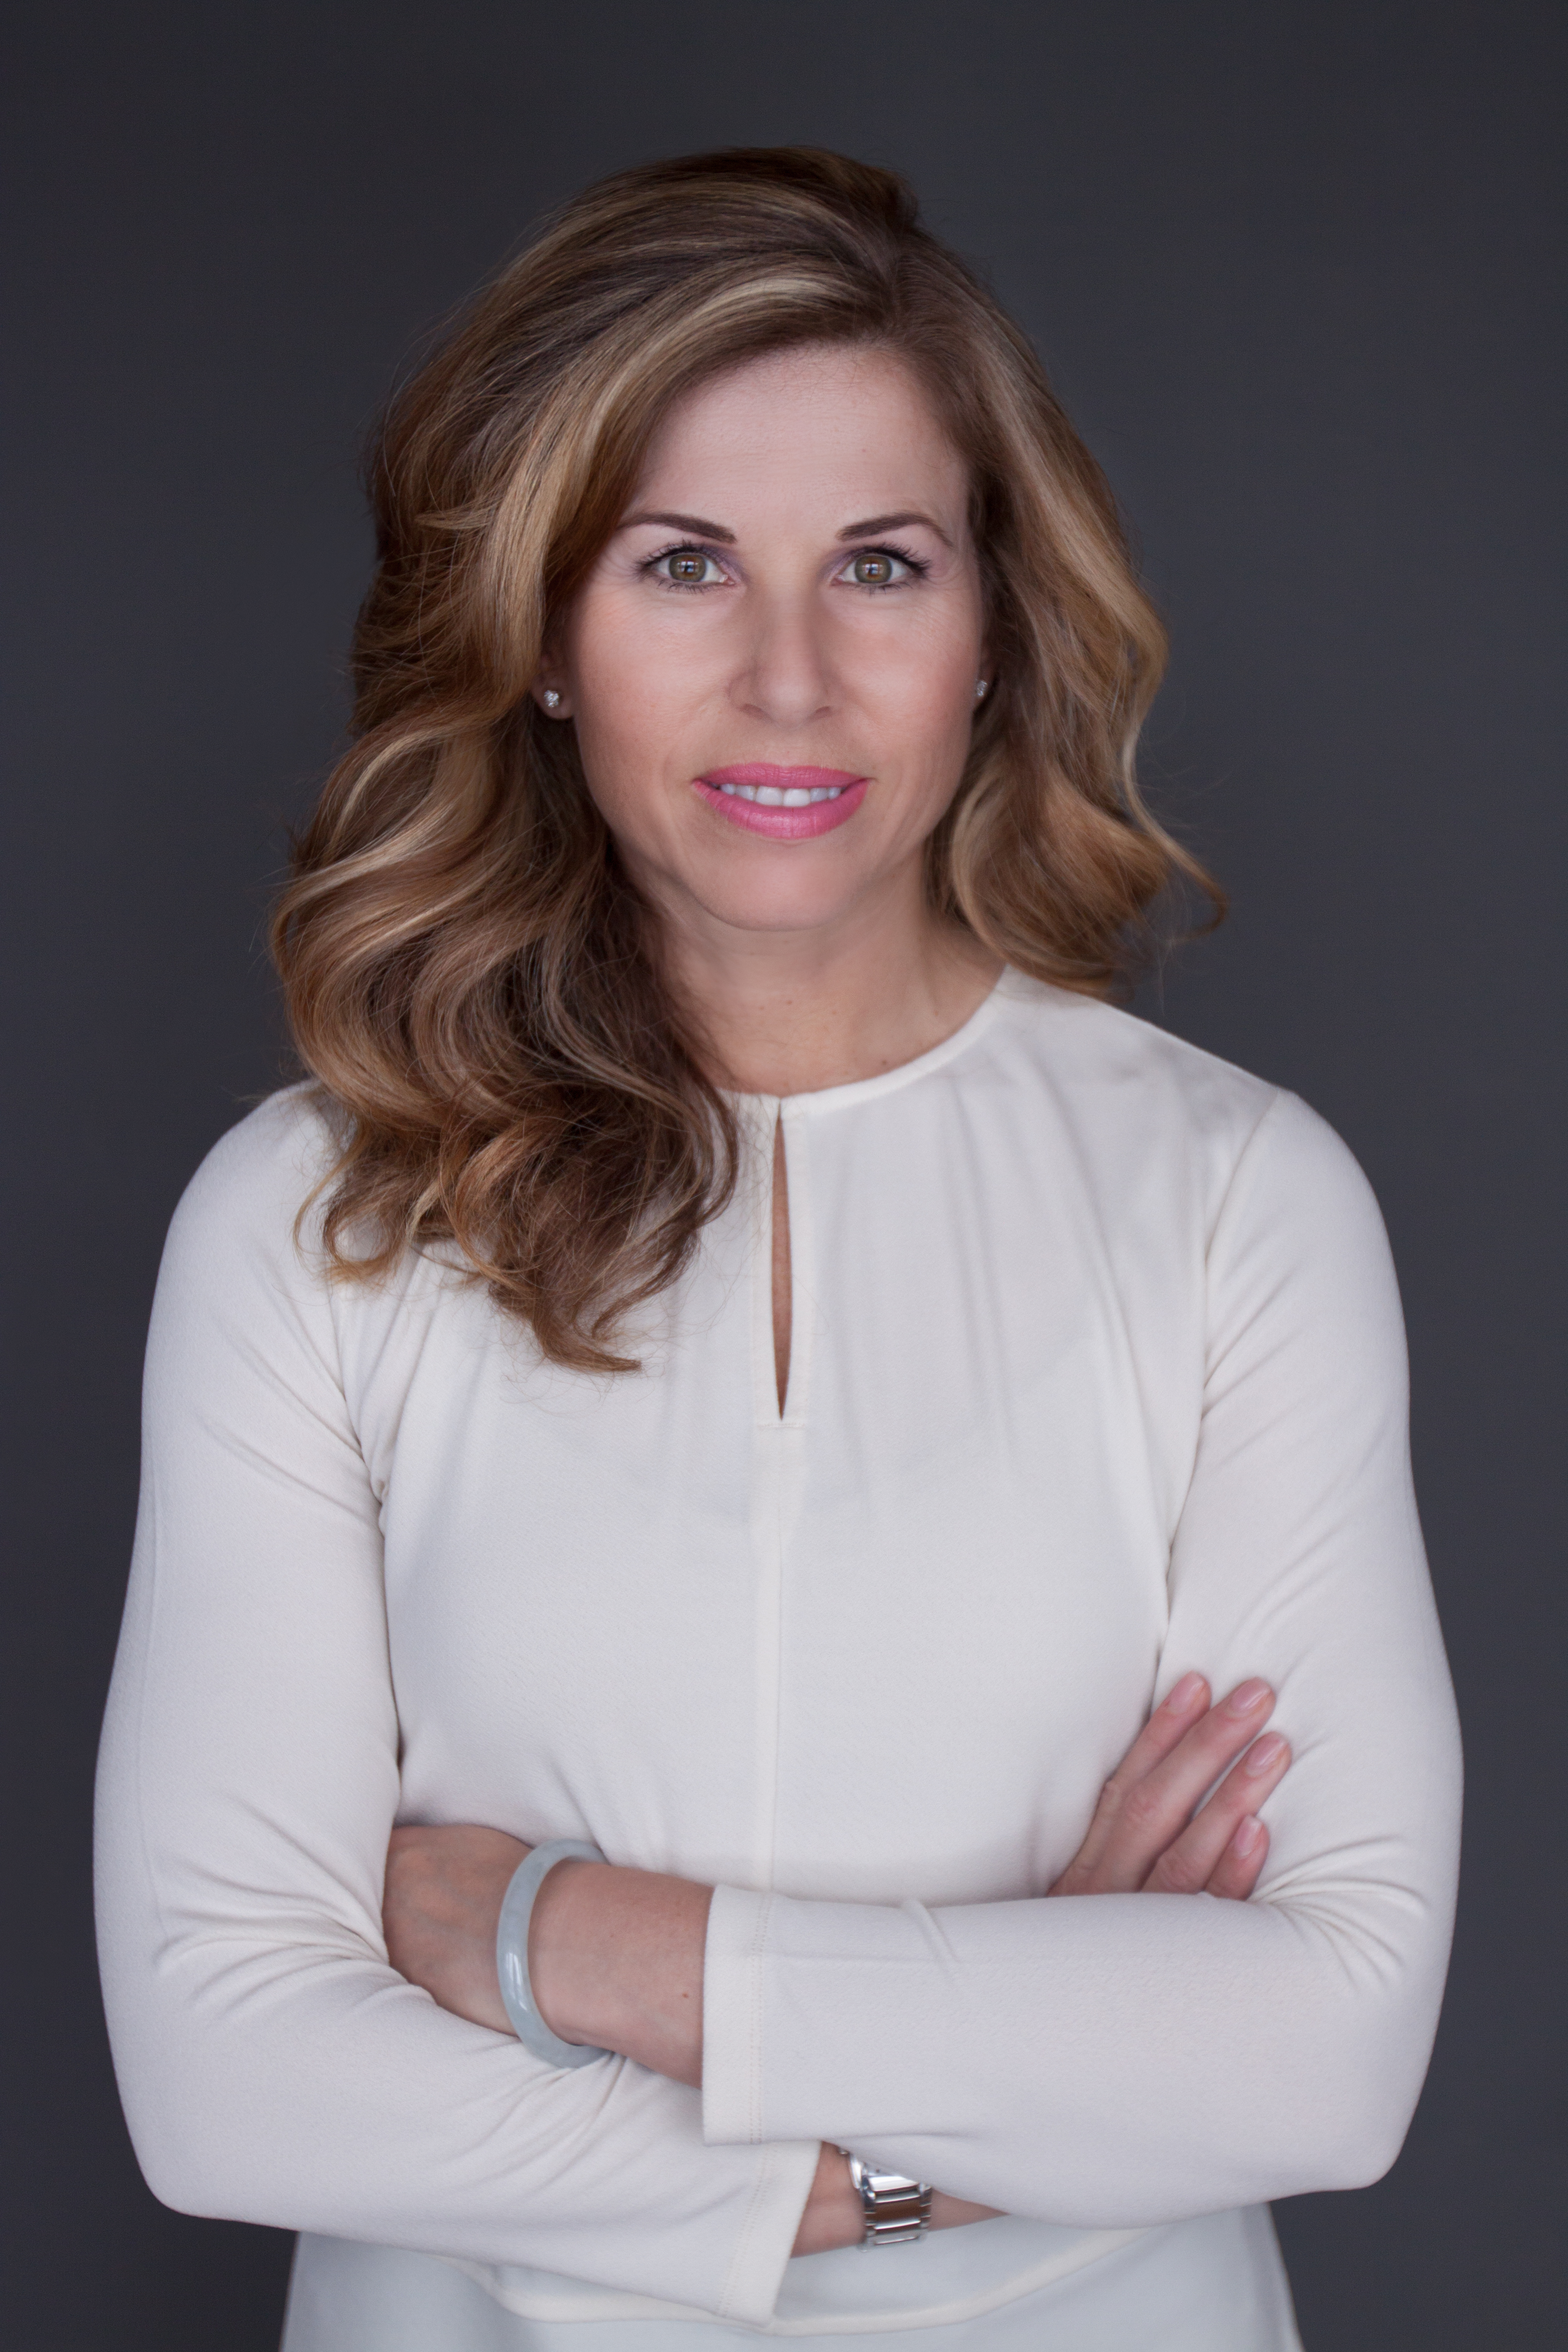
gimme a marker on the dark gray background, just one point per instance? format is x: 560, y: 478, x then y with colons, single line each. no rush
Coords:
x: 1293, y: 267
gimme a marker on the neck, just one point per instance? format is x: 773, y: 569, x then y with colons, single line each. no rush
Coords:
x: 789, y: 1012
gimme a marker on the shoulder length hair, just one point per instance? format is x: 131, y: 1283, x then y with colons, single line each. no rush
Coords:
x: 465, y: 963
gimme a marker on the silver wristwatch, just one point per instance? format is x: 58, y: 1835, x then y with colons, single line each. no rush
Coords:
x: 897, y: 2209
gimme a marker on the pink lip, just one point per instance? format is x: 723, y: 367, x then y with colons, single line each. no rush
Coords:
x: 784, y: 824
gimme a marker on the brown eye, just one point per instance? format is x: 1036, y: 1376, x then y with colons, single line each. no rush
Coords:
x: 872, y: 570
x: 686, y: 565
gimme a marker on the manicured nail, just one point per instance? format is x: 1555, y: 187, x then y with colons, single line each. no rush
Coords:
x: 1265, y: 1753
x: 1251, y: 1695
x: 1247, y: 1832
x: 1184, y: 1695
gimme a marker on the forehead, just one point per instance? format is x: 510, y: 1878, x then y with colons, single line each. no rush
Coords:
x: 823, y: 425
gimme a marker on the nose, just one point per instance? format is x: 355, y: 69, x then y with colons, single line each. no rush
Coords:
x: 784, y: 674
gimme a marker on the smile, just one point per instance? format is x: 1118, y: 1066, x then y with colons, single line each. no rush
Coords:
x: 784, y: 804
x: 770, y: 796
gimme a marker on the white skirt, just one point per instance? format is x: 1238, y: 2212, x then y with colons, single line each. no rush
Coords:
x: 1213, y: 2284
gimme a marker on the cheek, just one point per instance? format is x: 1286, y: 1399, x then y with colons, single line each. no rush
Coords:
x: 921, y: 693
x: 925, y: 654
x: 622, y: 693
x: 630, y: 677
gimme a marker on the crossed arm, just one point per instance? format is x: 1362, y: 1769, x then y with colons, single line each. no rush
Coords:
x: 1107, y: 2064
x: 616, y: 1956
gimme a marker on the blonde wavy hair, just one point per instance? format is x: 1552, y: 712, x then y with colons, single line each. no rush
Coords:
x: 467, y: 968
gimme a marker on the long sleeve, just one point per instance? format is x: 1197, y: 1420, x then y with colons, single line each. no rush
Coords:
x: 1122, y: 2060
x: 274, y: 2068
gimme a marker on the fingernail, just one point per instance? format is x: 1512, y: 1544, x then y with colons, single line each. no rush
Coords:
x: 1243, y: 1701
x: 1247, y: 1832
x: 1265, y: 1753
x: 1184, y: 1694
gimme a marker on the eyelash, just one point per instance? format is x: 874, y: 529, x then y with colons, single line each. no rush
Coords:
x: 916, y: 564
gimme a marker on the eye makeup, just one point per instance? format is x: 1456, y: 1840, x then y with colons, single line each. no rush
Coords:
x: 690, y: 551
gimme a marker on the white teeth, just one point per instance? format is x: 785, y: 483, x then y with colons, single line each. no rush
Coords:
x: 769, y: 795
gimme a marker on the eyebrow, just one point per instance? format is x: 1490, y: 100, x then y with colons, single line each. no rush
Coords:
x: 695, y: 524
x: 700, y: 528
x: 876, y: 523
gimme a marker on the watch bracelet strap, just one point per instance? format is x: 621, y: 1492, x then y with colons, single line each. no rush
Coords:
x: 897, y: 2210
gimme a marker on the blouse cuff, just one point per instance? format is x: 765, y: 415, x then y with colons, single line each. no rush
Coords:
x: 733, y: 1972
x: 786, y: 2171
x: 731, y: 2102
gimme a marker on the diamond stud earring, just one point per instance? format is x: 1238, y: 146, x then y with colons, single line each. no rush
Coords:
x: 552, y: 699
x: 980, y: 689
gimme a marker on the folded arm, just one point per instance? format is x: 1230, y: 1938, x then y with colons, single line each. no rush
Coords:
x: 1156, y: 2052
x: 616, y: 1956
x: 1138, y: 2057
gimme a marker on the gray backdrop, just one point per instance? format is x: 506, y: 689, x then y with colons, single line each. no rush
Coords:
x: 1292, y: 266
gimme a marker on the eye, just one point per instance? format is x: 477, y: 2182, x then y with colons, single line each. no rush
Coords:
x: 880, y: 567
x: 686, y: 567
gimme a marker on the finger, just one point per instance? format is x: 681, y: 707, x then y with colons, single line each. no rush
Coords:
x: 1170, y: 1722
x: 1182, y: 1706
x: 1153, y: 1811
x: 1237, y: 1871
x: 1188, y: 1863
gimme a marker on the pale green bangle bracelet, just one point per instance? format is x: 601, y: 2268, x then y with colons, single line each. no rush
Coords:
x: 511, y: 1954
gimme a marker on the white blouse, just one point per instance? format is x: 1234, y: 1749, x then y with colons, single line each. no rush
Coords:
x: 1098, y: 1375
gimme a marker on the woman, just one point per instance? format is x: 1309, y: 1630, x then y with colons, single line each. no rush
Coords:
x: 739, y: 1355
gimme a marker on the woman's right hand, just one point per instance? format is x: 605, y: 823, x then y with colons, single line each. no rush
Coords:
x: 1146, y: 1838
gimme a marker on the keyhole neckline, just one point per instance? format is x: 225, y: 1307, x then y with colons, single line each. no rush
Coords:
x: 766, y: 1107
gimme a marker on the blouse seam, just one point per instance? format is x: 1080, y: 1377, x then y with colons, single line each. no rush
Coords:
x: 1277, y: 1095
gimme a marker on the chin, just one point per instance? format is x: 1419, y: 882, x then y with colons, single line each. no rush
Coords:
x: 777, y: 900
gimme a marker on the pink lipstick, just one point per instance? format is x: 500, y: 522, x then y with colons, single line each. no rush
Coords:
x: 784, y: 803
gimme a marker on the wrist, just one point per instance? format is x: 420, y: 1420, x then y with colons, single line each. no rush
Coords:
x: 616, y: 1958
x: 832, y: 2218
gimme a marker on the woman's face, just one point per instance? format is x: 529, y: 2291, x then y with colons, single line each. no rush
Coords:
x: 790, y: 606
